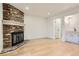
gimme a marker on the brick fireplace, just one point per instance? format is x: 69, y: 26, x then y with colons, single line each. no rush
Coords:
x: 13, y: 26
x: 8, y: 30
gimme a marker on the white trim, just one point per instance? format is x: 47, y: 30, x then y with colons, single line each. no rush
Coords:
x: 1, y: 28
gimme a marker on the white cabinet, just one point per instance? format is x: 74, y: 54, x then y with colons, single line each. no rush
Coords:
x: 72, y: 37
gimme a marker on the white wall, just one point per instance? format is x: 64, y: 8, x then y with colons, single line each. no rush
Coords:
x: 51, y: 30
x: 1, y: 29
x: 72, y: 21
x: 35, y: 27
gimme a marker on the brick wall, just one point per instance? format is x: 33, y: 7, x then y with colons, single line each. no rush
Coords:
x: 11, y: 13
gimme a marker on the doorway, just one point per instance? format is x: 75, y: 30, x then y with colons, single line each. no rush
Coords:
x: 57, y: 28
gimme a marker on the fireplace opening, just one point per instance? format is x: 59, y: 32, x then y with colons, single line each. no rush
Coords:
x: 17, y: 37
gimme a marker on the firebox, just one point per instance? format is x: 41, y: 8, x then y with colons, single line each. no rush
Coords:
x: 17, y: 37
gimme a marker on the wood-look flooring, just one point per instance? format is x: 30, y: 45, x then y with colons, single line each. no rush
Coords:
x: 45, y: 47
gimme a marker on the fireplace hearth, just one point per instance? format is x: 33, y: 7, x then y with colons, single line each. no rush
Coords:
x: 17, y: 37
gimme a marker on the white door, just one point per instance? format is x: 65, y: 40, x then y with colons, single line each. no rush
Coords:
x: 57, y: 28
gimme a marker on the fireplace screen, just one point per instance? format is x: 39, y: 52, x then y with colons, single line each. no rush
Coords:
x: 17, y: 37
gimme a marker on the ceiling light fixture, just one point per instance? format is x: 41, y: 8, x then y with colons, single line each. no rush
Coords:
x: 27, y: 8
x: 48, y: 13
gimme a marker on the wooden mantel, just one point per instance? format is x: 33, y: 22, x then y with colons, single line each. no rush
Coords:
x: 12, y: 22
